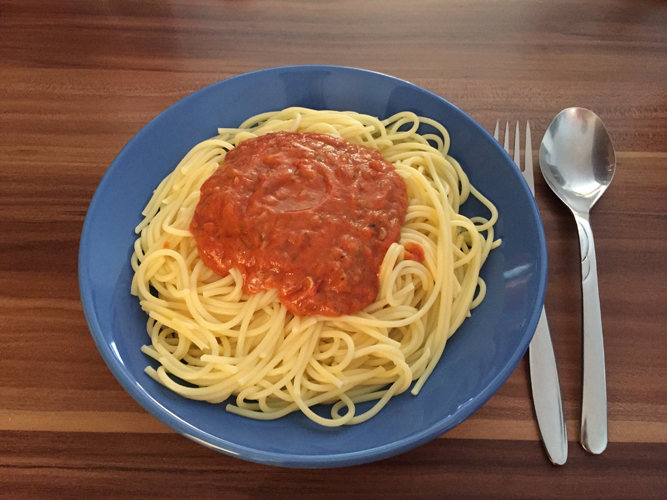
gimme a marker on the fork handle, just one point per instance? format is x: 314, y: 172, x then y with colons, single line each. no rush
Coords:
x: 547, y: 399
x: 594, y: 387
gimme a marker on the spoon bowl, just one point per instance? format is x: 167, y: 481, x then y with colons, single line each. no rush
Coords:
x: 577, y: 158
x: 578, y: 162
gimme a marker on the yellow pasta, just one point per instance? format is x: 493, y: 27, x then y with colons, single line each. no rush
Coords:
x: 212, y: 341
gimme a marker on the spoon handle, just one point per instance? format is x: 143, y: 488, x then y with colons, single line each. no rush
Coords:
x: 594, y: 388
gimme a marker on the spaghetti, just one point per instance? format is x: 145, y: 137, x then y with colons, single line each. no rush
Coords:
x: 213, y: 341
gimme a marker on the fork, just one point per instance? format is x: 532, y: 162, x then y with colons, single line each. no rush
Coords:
x: 543, y: 372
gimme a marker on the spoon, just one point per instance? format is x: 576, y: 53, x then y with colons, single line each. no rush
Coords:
x: 578, y: 162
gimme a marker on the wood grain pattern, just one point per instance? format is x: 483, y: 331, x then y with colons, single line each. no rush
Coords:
x: 168, y: 466
x: 78, y: 79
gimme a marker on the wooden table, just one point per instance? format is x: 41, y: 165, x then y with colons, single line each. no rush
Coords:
x: 79, y: 79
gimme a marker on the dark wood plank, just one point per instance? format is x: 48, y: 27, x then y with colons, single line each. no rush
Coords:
x: 563, y: 41
x: 64, y: 465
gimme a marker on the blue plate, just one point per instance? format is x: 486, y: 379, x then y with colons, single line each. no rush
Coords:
x: 477, y: 360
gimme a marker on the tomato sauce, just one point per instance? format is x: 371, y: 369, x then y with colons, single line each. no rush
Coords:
x: 308, y: 214
x: 414, y: 251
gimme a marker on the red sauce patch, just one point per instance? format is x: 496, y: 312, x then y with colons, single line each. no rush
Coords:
x: 309, y: 214
x: 413, y: 251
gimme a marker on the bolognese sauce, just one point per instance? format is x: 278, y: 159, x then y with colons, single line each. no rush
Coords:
x: 308, y: 214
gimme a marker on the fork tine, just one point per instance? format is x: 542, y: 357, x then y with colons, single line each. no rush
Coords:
x: 517, y: 147
x: 507, y: 138
x: 528, y: 161
x: 495, y: 132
